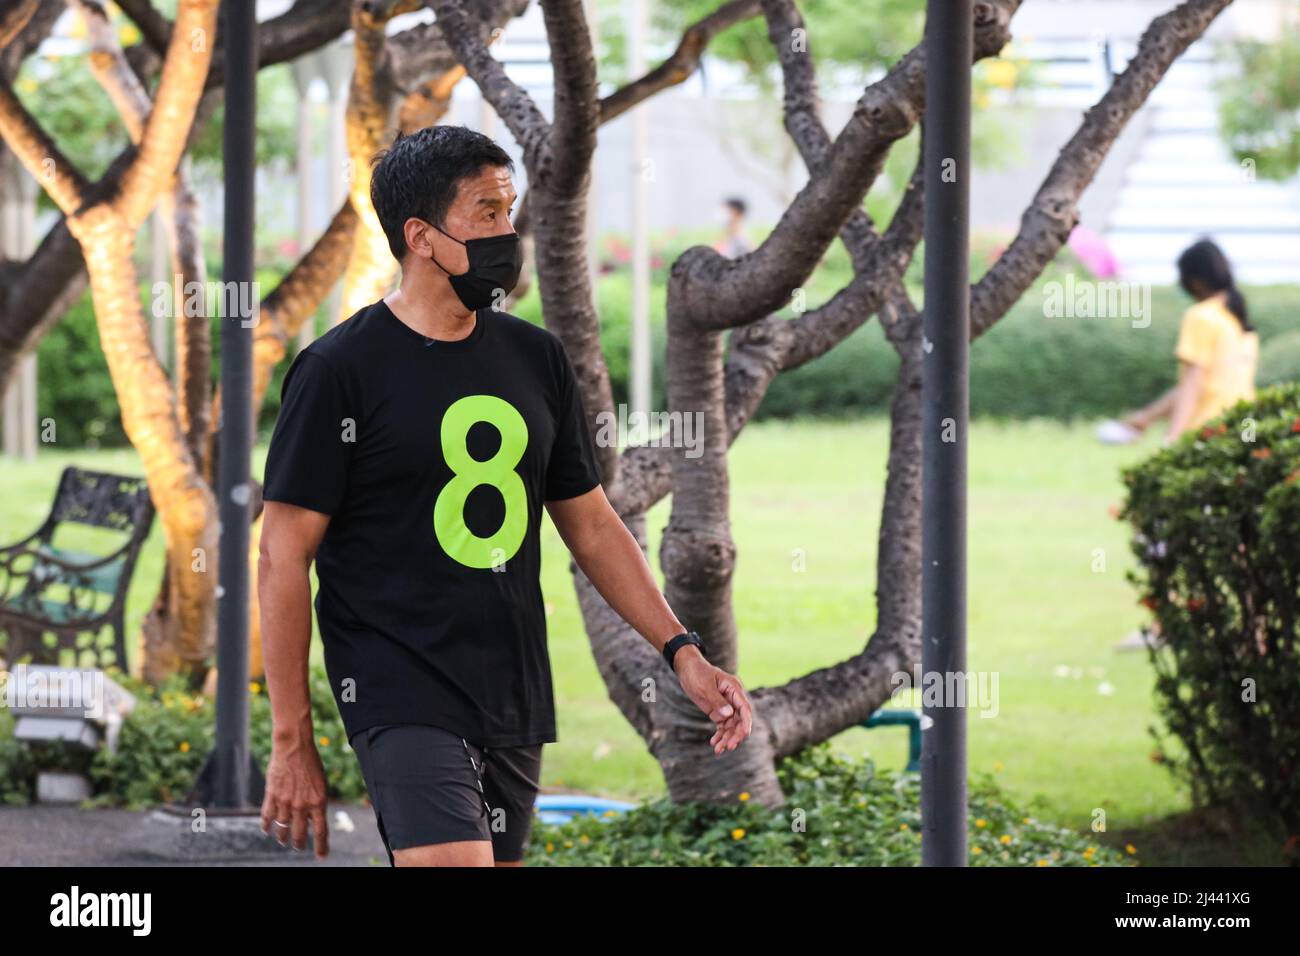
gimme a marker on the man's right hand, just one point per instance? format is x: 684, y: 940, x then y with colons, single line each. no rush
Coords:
x: 295, y: 794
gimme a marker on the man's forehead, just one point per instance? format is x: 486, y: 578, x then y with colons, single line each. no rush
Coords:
x: 490, y: 185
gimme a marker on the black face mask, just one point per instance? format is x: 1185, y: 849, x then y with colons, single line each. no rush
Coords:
x: 494, y: 263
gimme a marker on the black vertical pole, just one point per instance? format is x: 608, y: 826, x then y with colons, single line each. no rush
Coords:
x: 948, y: 55
x: 231, y: 762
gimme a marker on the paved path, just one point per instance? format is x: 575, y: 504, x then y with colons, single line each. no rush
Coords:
x: 42, y: 835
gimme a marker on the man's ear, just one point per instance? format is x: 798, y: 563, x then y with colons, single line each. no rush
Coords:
x: 416, y: 231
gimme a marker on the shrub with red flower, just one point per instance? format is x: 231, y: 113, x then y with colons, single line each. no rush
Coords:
x: 1227, y: 512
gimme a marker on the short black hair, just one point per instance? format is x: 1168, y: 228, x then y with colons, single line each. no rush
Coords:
x: 736, y: 203
x: 418, y: 175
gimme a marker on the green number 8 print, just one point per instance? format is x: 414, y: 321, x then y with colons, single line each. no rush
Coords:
x: 454, y: 535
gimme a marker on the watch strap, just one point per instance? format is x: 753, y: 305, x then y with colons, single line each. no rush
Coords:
x: 679, y: 641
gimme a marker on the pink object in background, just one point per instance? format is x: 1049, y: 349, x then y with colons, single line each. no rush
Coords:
x: 1093, y: 252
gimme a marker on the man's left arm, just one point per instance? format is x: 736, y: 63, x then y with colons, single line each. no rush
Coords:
x: 612, y: 560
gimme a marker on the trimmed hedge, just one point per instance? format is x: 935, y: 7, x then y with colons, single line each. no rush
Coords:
x: 1030, y: 365
x: 1279, y: 359
x: 1217, y: 521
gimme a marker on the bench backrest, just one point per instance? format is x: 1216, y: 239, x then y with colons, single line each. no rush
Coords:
x: 116, y: 502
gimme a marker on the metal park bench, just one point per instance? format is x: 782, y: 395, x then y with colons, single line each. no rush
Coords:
x: 901, y: 717
x: 75, y: 594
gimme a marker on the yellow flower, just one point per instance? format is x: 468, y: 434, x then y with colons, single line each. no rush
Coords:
x: 584, y: 839
x: 324, y: 741
x: 1027, y: 820
x: 1004, y: 839
x: 745, y: 795
x: 128, y: 35
x: 1130, y: 849
x: 569, y: 844
x: 737, y: 833
x: 1002, y: 73
x: 1042, y: 863
x: 610, y: 813
x: 997, y: 767
x: 185, y: 746
x: 902, y: 826
x: 550, y: 847
x: 254, y: 687
x: 975, y: 850
x: 1087, y: 854
x: 981, y: 824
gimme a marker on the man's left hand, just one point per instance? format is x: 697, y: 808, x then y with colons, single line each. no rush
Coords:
x: 721, y: 696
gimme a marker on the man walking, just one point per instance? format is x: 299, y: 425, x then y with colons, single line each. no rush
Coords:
x: 416, y: 445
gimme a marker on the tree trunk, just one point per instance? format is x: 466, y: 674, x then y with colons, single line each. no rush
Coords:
x: 184, y: 636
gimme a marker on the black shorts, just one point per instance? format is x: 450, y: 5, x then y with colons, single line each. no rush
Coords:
x: 429, y: 785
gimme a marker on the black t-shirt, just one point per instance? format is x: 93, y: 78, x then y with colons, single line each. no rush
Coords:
x: 433, y: 459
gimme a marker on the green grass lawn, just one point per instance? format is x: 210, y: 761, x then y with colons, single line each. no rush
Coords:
x: 1071, y: 733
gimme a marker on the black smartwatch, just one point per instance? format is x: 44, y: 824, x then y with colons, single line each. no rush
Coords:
x: 677, y: 643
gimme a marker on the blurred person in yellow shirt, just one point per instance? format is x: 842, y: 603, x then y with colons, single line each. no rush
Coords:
x: 1217, y: 350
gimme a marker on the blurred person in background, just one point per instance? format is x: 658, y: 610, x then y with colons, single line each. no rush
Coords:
x: 1217, y: 350
x: 733, y: 243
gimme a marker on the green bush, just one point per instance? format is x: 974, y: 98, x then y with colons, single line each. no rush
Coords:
x: 72, y: 382
x: 17, y: 773
x: 165, y: 739
x: 1216, y: 518
x: 838, y: 812
x: 1279, y: 360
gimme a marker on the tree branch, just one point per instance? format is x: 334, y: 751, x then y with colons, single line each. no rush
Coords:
x: 572, y: 136
x: 1053, y: 213
x: 511, y: 102
x: 112, y: 70
x: 683, y: 62
x: 719, y: 292
x: 188, y: 56
x: 14, y: 15
x: 58, y: 176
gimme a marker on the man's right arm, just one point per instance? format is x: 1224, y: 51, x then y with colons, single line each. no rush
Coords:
x: 295, y: 779
x: 290, y: 537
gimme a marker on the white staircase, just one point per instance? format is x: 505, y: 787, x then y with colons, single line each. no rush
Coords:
x: 1183, y: 184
